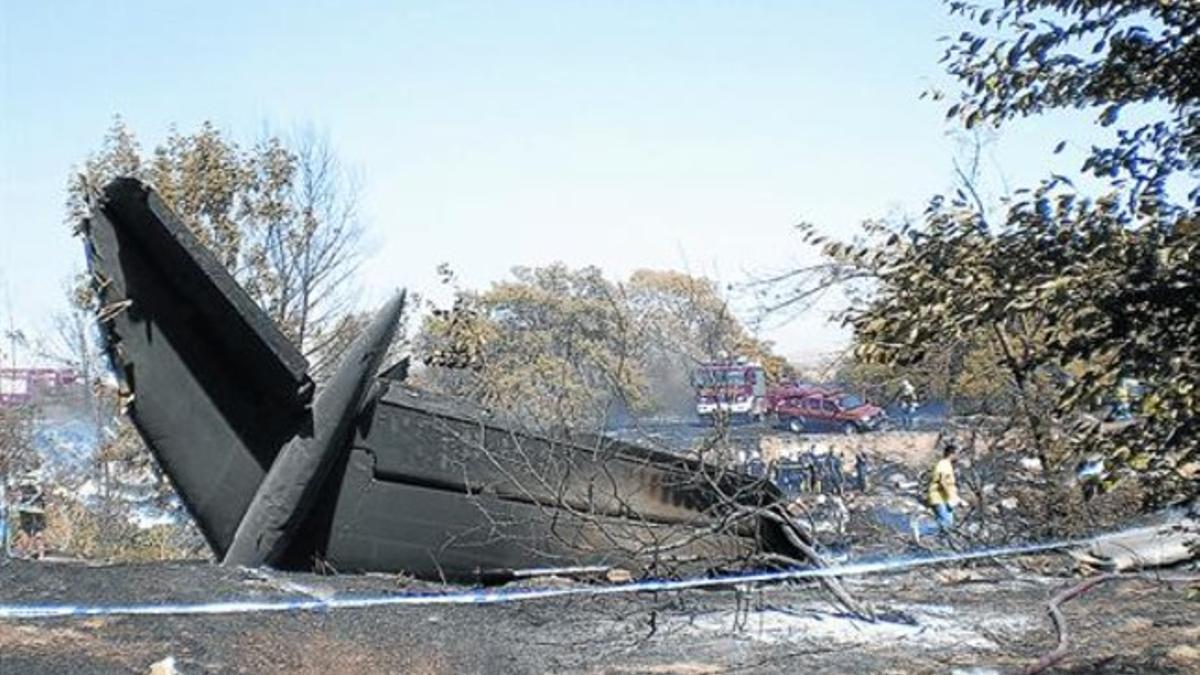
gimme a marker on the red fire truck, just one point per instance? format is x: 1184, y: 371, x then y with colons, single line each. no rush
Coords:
x: 731, y: 389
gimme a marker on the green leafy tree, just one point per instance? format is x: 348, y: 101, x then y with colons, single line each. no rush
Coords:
x: 1068, y: 292
x: 552, y: 345
x: 571, y: 348
x: 282, y: 216
x: 683, y: 321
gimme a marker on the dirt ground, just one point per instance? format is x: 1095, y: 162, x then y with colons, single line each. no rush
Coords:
x: 913, y: 449
x: 980, y: 620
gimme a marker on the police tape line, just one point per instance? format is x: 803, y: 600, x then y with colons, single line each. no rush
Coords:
x: 486, y: 596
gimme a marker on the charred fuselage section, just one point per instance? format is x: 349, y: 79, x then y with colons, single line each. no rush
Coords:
x: 369, y: 473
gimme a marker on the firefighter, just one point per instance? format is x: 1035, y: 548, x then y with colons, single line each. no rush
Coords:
x: 908, y: 404
x: 815, y: 475
x: 1091, y: 474
x: 943, y: 492
x: 1124, y: 407
x: 833, y: 470
x: 861, y: 470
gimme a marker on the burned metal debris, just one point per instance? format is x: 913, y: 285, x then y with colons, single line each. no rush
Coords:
x: 369, y: 473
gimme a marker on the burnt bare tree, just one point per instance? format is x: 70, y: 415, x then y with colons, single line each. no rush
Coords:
x: 553, y: 354
x: 306, y: 237
x: 282, y: 216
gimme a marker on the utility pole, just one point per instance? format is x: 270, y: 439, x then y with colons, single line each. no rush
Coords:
x: 14, y: 336
x: 4, y: 551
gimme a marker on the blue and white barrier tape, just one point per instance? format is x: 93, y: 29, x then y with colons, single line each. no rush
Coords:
x: 506, y: 595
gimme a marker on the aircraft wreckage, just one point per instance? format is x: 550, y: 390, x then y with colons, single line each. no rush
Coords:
x: 367, y: 473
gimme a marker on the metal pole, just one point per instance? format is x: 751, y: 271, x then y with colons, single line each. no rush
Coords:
x: 4, y: 515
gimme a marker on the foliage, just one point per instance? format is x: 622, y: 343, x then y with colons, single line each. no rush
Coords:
x: 17, y: 454
x: 1068, y: 293
x: 282, y: 216
x: 685, y: 317
x: 1032, y: 56
x: 76, y: 529
x: 963, y: 372
x: 550, y: 344
x: 569, y: 347
x: 683, y: 321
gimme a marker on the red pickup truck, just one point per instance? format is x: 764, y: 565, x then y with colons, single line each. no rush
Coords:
x: 811, y: 408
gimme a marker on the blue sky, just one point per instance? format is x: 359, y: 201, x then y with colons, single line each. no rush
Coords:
x: 687, y: 135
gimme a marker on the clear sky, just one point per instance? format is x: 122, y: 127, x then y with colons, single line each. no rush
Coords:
x: 489, y: 134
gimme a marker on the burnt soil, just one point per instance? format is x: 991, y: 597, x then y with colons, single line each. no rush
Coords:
x: 985, y: 619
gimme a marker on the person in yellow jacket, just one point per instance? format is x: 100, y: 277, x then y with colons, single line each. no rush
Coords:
x: 943, y: 492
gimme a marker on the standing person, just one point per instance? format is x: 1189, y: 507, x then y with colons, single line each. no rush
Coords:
x: 810, y: 467
x: 833, y: 462
x: 943, y: 491
x: 861, y: 469
x: 1124, y: 409
x: 908, y: 404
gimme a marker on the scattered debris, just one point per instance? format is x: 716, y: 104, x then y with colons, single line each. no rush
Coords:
x: 164, y: 667
x: 918, y: 626
x: 1157, y: 546
x: 1185, y: 656
x: 617, y: 575
x: 899, y: 481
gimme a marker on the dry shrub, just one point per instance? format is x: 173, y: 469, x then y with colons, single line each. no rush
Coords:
x: 1060, y: 510
x: 76, y: 530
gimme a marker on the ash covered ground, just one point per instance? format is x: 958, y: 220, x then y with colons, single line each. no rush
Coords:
x: 985, y: 619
